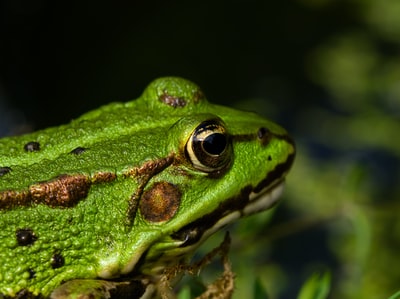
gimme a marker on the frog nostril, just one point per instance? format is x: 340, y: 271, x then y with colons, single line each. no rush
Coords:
x: 264, y: 135
x: 262, y: 132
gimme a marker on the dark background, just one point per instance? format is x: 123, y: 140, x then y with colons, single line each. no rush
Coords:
x: 328, y: 71
x: 60, y: 60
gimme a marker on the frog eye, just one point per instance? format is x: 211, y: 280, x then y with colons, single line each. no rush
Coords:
x: 209, y: 147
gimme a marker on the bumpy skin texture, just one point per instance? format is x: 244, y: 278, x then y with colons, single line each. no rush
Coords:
x: 70, y: 201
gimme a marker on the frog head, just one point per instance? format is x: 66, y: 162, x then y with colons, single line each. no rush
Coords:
x: 222, y: 164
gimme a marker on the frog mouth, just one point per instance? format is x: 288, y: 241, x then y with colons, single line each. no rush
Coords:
x: 249, y: 201
x: 264, y: 199
x: 257, y: 201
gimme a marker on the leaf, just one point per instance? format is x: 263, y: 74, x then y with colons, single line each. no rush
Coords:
x: 316, y: 287
x: 259, y: 290
x: 395, y: 296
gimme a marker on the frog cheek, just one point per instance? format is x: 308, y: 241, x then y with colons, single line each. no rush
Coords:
x: 160, y: 202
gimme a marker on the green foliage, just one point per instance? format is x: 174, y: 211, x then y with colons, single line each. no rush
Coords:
x: 395, y: 296
x: 316, y: 287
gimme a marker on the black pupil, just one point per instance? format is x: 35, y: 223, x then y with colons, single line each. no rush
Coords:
x: 215, y: 144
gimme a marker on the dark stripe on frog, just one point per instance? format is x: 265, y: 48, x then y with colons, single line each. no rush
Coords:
x: 63, y: 191
x: 264, y: 135
x: 67, y: 190
x: 276, y: 173
x: 193, y: 232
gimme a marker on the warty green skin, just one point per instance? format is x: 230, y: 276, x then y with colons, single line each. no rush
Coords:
x: 95, y: 237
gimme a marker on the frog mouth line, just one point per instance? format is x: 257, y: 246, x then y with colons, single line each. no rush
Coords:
x: 250, y: 201
x: 256, y: 202
x: 264, y: 199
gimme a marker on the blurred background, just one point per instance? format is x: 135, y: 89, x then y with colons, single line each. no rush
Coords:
x: 327, y: 70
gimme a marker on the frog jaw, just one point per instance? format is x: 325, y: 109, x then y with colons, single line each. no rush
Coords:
x: 255, y: 202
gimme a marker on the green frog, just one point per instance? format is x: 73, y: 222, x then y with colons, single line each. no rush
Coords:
x: 127, y: 190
